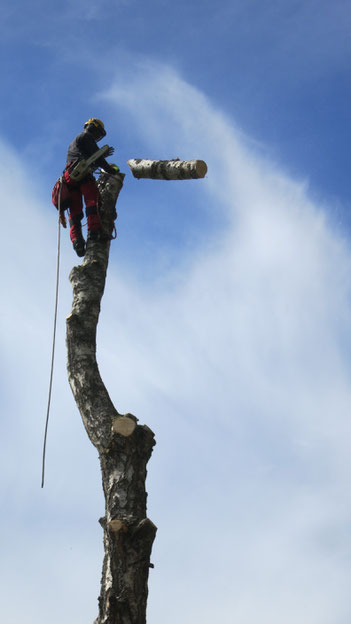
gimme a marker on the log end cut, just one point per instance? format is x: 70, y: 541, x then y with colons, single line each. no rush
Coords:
x: 200, y: 168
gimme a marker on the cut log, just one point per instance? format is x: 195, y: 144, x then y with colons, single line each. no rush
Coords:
x: 167, y: 169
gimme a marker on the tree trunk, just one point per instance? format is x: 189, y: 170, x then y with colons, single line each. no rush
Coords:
x: 124, y: 447
x: 167, y: 169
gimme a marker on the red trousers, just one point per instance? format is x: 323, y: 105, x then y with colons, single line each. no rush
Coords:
x: 89, y: 190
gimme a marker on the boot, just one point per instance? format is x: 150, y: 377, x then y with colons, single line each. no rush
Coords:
x: 79, y: 246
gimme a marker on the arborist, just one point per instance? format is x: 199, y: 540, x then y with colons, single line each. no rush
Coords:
x: 81, y: 149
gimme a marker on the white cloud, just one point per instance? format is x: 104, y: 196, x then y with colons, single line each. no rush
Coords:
x: 251, y: 345
x: 237, y: 359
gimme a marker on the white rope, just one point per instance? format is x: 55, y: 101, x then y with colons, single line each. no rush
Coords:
x: 54, y: 336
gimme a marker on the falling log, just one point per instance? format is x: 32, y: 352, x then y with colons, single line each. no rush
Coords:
x: 167, y: 169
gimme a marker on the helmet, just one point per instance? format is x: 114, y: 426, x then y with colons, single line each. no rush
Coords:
x: 97, y: 123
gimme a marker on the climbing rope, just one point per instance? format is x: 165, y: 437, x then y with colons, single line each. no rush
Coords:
x: 54, y: 336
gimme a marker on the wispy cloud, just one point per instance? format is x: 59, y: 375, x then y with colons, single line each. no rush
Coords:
x: 237, y: 357
x: 251, y: 343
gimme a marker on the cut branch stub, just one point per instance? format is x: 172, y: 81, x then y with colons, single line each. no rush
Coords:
x: 117, y: 525
x: 167, y: 169
x: 124, y: 425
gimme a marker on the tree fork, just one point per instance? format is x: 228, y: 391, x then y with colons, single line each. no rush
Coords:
x: 124, y: 447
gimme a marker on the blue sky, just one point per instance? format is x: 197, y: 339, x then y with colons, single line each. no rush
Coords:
x: 226, y: 320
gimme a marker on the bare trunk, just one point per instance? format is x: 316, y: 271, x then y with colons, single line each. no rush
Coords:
x: 124, y: 447
x: 167, y: 169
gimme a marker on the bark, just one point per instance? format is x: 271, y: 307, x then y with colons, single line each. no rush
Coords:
x: 167, y: 169
x: 124, y: 447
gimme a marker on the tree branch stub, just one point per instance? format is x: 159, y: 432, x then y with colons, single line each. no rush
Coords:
x: 123, y: 425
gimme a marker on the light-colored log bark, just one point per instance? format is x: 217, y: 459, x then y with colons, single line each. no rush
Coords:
x: 167, y: 169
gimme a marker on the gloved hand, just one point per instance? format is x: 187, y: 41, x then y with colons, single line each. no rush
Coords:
x: 110, y: 151
x: 63, y: 219
x: 115, y: 168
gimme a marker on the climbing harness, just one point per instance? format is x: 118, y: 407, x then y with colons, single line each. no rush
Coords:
x: 54, y: 334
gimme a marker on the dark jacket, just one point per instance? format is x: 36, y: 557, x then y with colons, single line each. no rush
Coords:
x: 83, y: 146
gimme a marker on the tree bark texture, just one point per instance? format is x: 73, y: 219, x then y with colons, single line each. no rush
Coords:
x: 167, y: 169
x: 124, y: 447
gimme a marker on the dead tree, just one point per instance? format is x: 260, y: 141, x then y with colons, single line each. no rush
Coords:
x: 124, y: 447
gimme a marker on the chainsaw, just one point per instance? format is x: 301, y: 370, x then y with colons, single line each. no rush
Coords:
x: 82, y: 167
